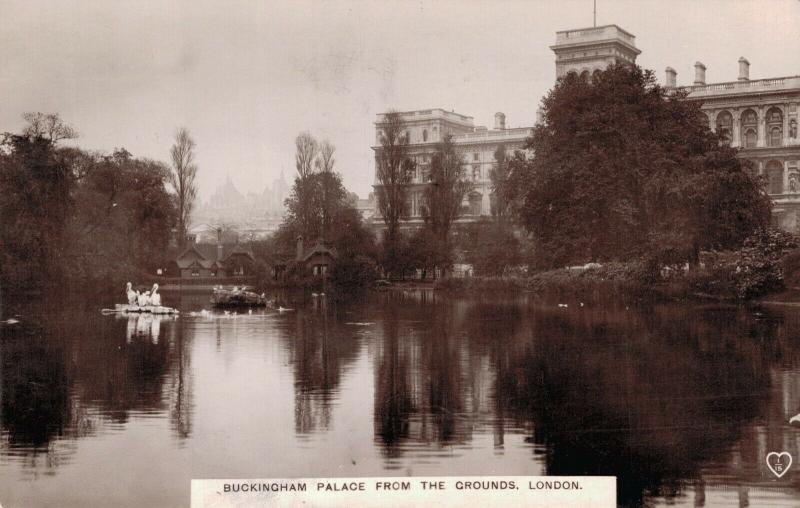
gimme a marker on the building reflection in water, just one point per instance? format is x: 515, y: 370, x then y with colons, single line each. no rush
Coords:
x: 675, y: 401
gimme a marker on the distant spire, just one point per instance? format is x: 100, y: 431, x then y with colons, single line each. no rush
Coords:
x: 594, y: 13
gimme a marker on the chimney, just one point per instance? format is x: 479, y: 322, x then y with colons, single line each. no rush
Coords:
x: 219, y: 244
x: 299, y: 254
x: 744, y: 69
x: 699, y: 73
x: 499, y: 121
x: 672, y: 77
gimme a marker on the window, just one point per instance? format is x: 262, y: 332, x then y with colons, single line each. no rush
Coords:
x: 775, y: 135
x: 476, y: 156
x: 408, y: 136
x: 195, y: 272
x: 425, y: 135
x: 750, y: 138
x: 774, y: 170
x: 476, y: 172
x: 749, y: 124
x: 725, y: 126
x: 774, y: 127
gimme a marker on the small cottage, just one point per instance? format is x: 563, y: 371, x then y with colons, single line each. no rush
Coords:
x: 318, y: 260
x: 209, y: 260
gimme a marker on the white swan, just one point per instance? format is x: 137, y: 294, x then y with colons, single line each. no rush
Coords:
x: 795, y: 418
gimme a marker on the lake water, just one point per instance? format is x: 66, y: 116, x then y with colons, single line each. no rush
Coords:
x: 681, y: 402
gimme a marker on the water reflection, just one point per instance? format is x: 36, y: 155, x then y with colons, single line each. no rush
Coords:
x: 681, y: 403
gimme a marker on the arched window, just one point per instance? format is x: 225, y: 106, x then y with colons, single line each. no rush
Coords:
x: 774, y: 170
x: 775, y: 126
x: 476, y: 173
x: 725, y: 126
x: 408, y: 136
x: 749, y: 129
x: 424, y: 135
x: 585, y: 74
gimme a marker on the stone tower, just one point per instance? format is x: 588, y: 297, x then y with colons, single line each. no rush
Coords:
x: 590, y: 49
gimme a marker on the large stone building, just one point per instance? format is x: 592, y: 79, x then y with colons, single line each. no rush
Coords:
x: 759, y: 116
x: 476, y: 144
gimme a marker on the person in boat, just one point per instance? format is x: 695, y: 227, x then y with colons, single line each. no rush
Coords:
x: 155, y: 296
x: 131, y: 294
x: 144, y: 299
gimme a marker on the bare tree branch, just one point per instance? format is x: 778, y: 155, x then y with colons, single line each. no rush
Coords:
x: 182, y: 179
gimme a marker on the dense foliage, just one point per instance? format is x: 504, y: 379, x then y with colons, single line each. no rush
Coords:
x: 755, y: 269
x: 624, y: 169
x: 319, y: 208
x: 492, y: 248
x: 70, y: 216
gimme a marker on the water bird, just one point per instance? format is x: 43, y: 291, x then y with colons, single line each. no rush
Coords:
x: 10, y: 321
x: 563, y: 305
x: 283, y: 309
x: 249, y: 311
x: 795, y: 418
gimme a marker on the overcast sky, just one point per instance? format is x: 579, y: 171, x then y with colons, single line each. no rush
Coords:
x: 246, y: 77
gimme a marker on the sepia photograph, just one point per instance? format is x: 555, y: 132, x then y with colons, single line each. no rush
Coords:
x: 399, y: 253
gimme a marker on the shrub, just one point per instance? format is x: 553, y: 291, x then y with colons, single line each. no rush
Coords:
x: 359, y: 271
x: 752, y: 271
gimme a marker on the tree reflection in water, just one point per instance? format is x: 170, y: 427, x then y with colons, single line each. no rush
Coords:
x: 65, y: 378
x: 650, y: 396
x: 675, y: 401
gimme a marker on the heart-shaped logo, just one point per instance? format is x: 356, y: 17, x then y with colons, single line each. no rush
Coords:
x: 779, y: 463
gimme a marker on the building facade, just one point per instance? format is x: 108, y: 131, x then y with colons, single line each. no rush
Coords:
x: 476, y: 144
x: 760, y: 117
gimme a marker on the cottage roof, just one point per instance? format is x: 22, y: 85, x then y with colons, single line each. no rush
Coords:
x: 208, y: 255
x: 320, y: 248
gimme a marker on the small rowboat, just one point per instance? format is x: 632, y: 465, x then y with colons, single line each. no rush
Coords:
x: 151, y: 309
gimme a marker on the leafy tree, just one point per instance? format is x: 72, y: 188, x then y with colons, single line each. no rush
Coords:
x: 447, y: 189
x: 36, y: 185
x: 122, y: 220
x: 442, y: 201
x: 624, y: 169
x: 491, y: 248
x: 394, y: 172
x: 304, y: 217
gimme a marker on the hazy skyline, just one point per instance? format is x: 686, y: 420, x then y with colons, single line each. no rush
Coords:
x: 246, y: 77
